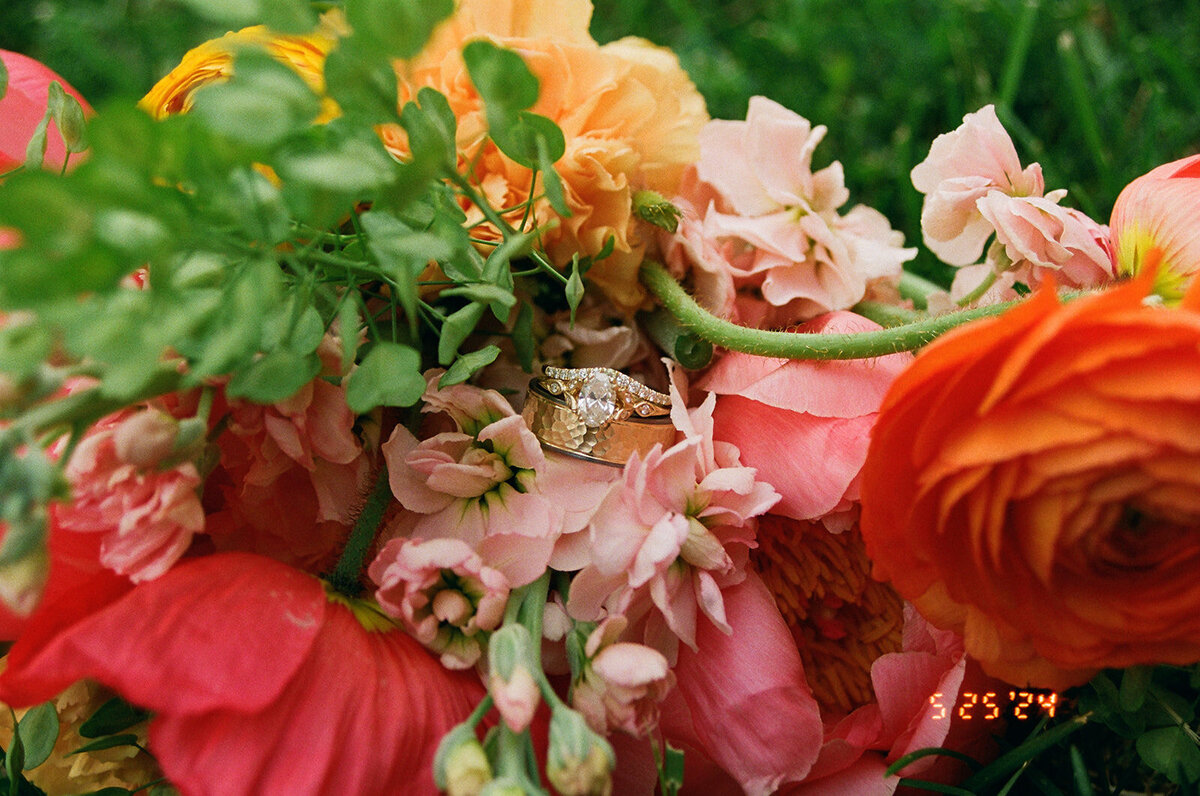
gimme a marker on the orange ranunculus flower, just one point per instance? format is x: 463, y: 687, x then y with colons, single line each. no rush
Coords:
x: 630, y: 115
x: 213, y: 61
x: 1033, y: 482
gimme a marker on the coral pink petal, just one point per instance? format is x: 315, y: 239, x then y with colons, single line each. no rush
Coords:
x: 362, y: 716
x: 224, y: 631
x: 747, y: 705
x: 22, y: 109
x: 863, y: 778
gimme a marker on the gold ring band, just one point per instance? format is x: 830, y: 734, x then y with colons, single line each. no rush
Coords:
x: 559, y: 427
x: 603, y: 395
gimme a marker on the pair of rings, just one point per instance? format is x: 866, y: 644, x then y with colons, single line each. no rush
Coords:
x: 598, y: 414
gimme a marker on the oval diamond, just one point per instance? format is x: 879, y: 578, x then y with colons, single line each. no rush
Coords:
x: 596, y: 403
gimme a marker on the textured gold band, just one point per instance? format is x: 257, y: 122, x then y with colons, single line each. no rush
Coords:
x: 557, y: 426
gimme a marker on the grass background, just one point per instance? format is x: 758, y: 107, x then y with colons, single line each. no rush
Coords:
x: 1097, y: 91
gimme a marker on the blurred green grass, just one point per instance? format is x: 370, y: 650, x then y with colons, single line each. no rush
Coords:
x: 1097, y: 91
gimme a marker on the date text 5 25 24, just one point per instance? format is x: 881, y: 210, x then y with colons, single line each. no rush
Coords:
x: 988, y: 706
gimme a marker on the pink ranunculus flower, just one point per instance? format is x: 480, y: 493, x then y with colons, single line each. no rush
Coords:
x: 755, y: 210
x: 1158, y: 212
x: 22, y: 108
x: 1037, y: 237
x: 289, y: 476
x: 488, y: 483
x: 146, y: 516
x: 961, y: 168
x: 803, y: 424
x: 671, y: 535
x: 622, y: 683
x: 446, y: 596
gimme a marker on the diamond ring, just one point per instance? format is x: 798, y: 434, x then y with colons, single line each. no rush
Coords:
x: 602, y: 395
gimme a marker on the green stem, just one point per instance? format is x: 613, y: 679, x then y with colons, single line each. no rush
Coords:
x: 346, y: 576
x: 886, y: 315
x: 1013, y: 760
x: 792, y: 345
x: 979, y: 290
x: 918, y: 289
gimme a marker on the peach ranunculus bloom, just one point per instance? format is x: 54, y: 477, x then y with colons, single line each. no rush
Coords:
x: 1159, y: 210
x: 975, y: 188
x: 629, y: 114
x: 1032, y: 482
x: 761, y: 233
x: 212, y: 62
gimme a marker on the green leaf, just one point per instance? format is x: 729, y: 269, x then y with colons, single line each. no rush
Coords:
x: 14, y: 760
x: 574, y: 288
x: 398, y: 28
x: 363, y: 86
x: 274, y: 377
x: 528, y: 138
x: 353, y: 166
x: 552, y: 183
x: 287, y: 16
x: 234, y: 13
x: 1134, y: 683
x: 389, y: 375
x: 38, y: 729
x: 35, y: 150
x: 484, y: 294
x: 1171, y: 752
x: 348, y: 326
x: 113, y: 716
x: 3, y: 80
x: 500, y: 76
x: 455, y: 330
x: 263, y: 103
x: 466, y: 365
x: 24, y: 346
x: 402, y: 254
x: 522, y: 337
x: 431, y: 126
x: 107, y: 742
x: 68, y: 116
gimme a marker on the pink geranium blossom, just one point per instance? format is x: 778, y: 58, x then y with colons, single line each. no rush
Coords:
x: 146, y: 517
x: 803, y: 424
x: 259, y: 681
x: 446, y: 596
x: 762, y: 232
x: 489, y: 484
x: 671, y: 535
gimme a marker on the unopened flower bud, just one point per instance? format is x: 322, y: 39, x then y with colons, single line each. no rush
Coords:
x: 21, y: 582
x: 460, y: 767
x: 702, y: 549
x: 579, y: 761
x: 510, y: 681
x: 506, y: 786
x: 653, y: 207
x: 145, y: 438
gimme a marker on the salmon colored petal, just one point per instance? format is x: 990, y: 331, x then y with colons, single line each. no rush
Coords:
x: 22, y: 109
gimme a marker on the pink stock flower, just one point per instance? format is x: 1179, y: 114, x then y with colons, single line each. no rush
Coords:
x: 289, y: 477
x: 962, y: 167
x: 671, y: 535
x: 759, y: 220
x: 489, y: 484
x: 803, y: 424
x: 1159, y: 211
x: 259, y: 680
x: 622, y: 683
x: 146, y: 517
x: 22, y: 108
x: 446, y: 596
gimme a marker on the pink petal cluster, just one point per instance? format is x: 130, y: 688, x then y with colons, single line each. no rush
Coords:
x: 622, y: 683
x: 289, y: 476
x: 446, y: 596
x: 803, y: 424
x: 975, y: 188
x: 761, y: 232
x: 146, y: 516
x: 1158, y: 211
x: 488, y: 483
x: 671, y: 535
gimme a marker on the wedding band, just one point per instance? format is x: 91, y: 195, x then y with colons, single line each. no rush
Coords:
x: 602, y: 395
x: 559, y: 427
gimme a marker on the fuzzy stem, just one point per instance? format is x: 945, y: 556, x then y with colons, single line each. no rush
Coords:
x: 792, y: 345
x: 917, y: 289
x: 345, y: 577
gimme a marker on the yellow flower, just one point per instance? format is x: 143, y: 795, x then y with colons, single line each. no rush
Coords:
x: 212, y: 61
x: 630, y: 115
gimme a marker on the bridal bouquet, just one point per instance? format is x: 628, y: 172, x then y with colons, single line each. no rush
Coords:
x: 422, y: 397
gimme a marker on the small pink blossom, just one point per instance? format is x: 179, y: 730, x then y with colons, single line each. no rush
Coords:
x: 516, y: 698
x: 622, y: 683
x: 671, y: 534
x: 761, y: 232
x: 147, y: 517
x: 489, y: 484
x: 961, y: 168
x: 803, y: 424
x: 1159, y: 211
x: 446, y: 596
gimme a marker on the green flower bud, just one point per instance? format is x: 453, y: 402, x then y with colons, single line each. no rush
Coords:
x: 461, y: 767
x: 579, y: 762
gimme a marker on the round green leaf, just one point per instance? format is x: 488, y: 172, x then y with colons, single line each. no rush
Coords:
x: 39, y: 732
x: 389, y: 375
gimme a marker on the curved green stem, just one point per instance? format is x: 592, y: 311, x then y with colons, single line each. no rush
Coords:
x: 792, y: 345
x: 979, y: 290
x: 918, y: 289
x: 346, y: 576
